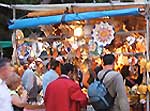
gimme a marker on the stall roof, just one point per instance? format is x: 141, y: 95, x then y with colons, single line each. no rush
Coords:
x: 78, y: 8
x: 48, y: 7
x: 33, y: 22
x: 45, y: 7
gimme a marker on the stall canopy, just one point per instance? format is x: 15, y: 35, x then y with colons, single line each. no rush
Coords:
x: 33, y: 22
x: 5, y: 44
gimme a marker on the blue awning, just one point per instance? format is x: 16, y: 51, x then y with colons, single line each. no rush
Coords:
x: 33, y: 22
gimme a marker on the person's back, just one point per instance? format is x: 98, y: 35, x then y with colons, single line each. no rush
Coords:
x: 114, y: 82
x: 27, y: 79
x: 60, y: 93
x: 30, y: 84
x: 115, y: 85
x: 64, y: 94
x: 51, y: 75
x: 48, y: 77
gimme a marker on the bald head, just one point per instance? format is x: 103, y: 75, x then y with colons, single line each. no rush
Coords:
x: 13, y: 81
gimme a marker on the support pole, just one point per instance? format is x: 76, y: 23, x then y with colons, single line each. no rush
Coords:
x: 94, y: 1
x: 14, y: 55
x: 1, y: 50
x: 147, y: 57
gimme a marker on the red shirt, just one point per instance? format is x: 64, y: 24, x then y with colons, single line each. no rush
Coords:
x: 63, y: 94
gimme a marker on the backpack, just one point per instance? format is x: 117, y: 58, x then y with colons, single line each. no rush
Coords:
x: 99, y: 95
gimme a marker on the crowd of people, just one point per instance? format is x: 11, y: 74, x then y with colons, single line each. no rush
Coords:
x: 57, y: 85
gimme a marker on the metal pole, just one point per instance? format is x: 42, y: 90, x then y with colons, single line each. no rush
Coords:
x: 1, y: 50
x: 94, y: 1
x: 14, y: 60
x: 147, y: 57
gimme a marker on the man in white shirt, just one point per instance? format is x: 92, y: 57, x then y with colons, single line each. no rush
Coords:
x: 5, y: 98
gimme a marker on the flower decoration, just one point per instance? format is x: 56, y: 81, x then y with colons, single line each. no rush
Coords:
x: 103, y: 33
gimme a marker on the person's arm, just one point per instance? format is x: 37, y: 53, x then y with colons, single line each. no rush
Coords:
x: 78, y: 95
x: 122, y: 99
x: 19, y: 101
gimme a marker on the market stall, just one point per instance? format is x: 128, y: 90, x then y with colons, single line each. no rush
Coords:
x: 86, y: 35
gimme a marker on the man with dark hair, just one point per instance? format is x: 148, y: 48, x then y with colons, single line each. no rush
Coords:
x: 64, y: 94
x: 5, y: 98
x: 108, y: 59
x: 114, y: 82
x: 52, y: 74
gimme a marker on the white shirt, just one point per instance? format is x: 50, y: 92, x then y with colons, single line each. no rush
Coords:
x: 5, y: 98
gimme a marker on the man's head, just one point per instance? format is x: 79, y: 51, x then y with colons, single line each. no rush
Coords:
x: 68, y: 69
x: 5, y: 68
x: 13, y: 81
x: 108, y: 59
x: 55, y: 65
x: 39, y: 66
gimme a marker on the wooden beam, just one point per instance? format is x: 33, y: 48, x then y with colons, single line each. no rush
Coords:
x: 130, y: 32
x: 79, y: 9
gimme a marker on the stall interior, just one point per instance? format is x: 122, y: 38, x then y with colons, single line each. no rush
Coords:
x: 83, y: 43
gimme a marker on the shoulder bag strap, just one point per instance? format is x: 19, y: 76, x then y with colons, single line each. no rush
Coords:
x: 105, y: 75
